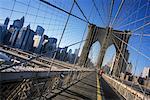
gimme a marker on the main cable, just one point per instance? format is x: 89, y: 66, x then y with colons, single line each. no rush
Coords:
x: 50, y: 4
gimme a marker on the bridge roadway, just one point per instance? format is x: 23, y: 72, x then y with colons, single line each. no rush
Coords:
x: 90, y: 88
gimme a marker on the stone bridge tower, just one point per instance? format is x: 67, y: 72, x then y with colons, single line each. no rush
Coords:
x: 106, y: 37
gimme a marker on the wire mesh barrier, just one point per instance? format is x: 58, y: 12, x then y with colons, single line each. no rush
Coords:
x: 48, y: 45
x: 34, y: 88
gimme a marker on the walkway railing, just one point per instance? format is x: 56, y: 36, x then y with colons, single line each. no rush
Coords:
x: 126, y: 91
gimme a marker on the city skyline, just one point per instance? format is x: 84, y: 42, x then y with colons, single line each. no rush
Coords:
x: 34, y: 41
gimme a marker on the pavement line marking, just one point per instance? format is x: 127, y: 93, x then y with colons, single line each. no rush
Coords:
x: 99, y: 97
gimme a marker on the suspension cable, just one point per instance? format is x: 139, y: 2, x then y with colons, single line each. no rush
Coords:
x: 48, y: 3
x: 81, y: 11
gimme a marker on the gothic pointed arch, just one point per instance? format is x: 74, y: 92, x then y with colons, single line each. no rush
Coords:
x: 106, y: 36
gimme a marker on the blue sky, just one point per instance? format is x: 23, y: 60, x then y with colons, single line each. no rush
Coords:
x: 52, y: 20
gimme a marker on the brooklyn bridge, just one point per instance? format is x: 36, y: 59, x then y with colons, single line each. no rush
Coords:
x: 74, y: 50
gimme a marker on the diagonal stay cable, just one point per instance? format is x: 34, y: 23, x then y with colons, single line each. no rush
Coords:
x: 136, y: 17
x: 131, y: 47
x: 141, y: 27
x: 107, y: 11
x: 130, y: 23
x: 137, y: 34
x: 140, y: 44
x: 131, y: 14
x: 81, y: 11
x: 124, y: 13
x: 98, y: 11
x: 33, y: 57
x: 119, y: 9
x: 110, y: 12
x: 124, y: 60
x: 104, y: 10
x: 50, y: 4
x: 120, y: 52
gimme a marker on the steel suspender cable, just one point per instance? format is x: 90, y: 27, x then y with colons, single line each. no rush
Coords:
x: 80, y: 44
x: 140, y: 44
x: 12, y: 9
x: 110, y: 12
x: 63, y: 30
x: 98, y: 12
x: 85, y: 29
x: 120, y: 52
x: 141, y: 27
x: 59, y: 42
x: 137, y: 34
x: 130, y: 23
x: 131, y: 14
x: 124, y: 14
x: 119, y: 9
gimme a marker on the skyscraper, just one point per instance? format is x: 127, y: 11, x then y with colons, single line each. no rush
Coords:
x: 28, y: 40
x: 69, y: 56
x: 14, y: 29
x: 3, y: 30
x: 39, y: 30
x: 18, y: 23
x: 14, y: 36
x: 7, y: 38
x: 50, y: 47
x: 6, y: 21
x: 146, y: 72
x: 63, y: 54
x: 129, y: 67
x: 44, y: 44
x: 22, y: 36
x: 1, y: 34
x: 38, y: 40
